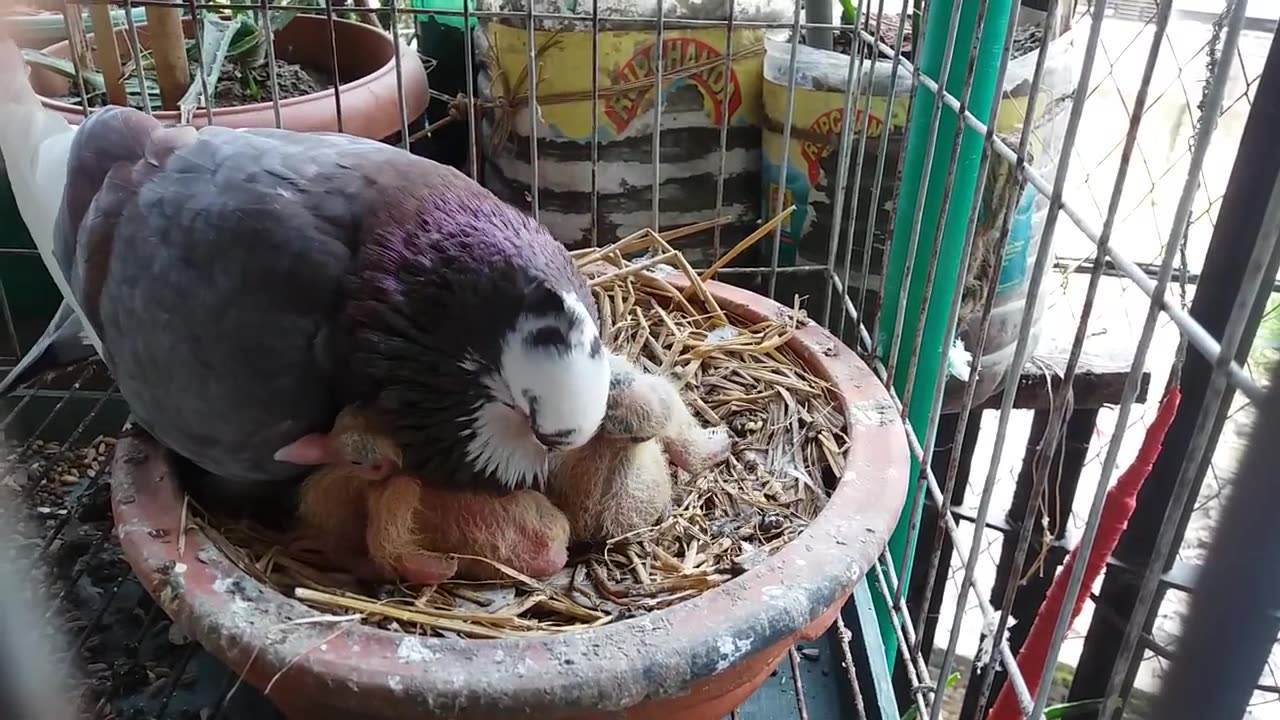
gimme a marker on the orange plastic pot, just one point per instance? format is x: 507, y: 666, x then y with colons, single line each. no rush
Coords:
x: 366, y: 73
x: 694, y: 661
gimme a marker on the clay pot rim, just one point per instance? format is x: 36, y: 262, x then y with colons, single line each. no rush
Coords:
x: 611, y: 667
x: 411, y: 67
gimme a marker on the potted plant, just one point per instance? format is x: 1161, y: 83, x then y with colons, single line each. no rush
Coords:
x: 236, y: 62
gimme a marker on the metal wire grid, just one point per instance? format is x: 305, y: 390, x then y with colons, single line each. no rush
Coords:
x: 1160, y: 161
x: 1155, y: 289
x: 839, y: 288
x: 1191, y: 51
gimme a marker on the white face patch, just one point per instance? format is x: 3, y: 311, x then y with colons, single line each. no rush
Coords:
x: 550, y: 394
x: 503, y: 445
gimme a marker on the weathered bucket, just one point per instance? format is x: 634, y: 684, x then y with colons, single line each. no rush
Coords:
x: 695, y: 83
x: 812, y: 167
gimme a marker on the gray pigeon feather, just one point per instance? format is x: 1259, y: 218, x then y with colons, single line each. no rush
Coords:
x: 211, y: 265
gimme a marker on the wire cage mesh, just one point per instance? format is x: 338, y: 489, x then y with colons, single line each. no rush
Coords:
x: 1075, y: 178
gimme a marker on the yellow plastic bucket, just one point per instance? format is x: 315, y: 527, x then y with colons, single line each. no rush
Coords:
x: 695, y: 84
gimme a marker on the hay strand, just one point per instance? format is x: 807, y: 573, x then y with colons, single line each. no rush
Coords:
x: 745, y: 244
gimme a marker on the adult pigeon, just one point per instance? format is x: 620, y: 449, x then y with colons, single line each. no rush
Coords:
x: 245, y: 284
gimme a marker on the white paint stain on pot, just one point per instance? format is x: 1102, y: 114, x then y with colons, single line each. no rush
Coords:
x: 731, y: 650
x: 412, y: 650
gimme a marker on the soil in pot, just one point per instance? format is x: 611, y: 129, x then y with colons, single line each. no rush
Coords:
x: 789, y: 450
x: 243, y: 86
x: 240, y: 85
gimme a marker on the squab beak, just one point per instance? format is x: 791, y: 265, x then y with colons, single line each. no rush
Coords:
x: 313, y: 449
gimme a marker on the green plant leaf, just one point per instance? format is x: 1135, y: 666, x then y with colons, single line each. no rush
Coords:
x: 251, y: 86
x: 217, y: 35
x: 283, y: 17
x: 913, y: 712
x: 63, y: 67
x: 94, y: 83
x: 1067, y: 710
x: 850, y: 10
x: 248, y: 42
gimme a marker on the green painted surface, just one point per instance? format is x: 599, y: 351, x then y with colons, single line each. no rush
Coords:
x: 31, y: 294
x: 451, y: 5
x: 934, y: 341
x: 867, y: 603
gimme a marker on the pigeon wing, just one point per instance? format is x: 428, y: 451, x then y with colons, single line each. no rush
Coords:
x: 212, y: 266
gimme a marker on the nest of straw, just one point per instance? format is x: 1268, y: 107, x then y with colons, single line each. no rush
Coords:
x: 789, y: 448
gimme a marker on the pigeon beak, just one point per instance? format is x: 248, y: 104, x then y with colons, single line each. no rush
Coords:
x: 524, y: 415
x: 553, y: 442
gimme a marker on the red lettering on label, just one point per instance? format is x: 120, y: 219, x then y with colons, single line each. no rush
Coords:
x: 678, y: 53
x: 829, y: 124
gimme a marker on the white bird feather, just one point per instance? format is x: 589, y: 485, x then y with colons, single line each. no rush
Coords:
x: 35, y: 144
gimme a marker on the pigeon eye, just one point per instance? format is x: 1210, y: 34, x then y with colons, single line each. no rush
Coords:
x: 356, y: 462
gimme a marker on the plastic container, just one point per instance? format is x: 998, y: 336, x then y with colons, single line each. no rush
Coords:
x: 810, y: 179
x: 1053, y: 106
x: 442, y: 46
x: 695, y: 83
x: 817, y: 120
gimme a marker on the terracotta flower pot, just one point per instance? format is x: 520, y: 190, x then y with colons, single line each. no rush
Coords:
x: 366, y: 68
x: 695, y: 661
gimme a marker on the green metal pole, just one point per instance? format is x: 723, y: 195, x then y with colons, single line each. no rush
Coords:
x: 934, y: 343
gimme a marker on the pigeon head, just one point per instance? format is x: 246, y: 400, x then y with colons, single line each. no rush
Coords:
x: 472, y: 332
x: 548, y: 390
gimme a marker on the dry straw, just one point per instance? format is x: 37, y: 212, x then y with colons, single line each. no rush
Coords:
x: 789, y: 446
